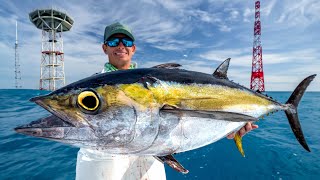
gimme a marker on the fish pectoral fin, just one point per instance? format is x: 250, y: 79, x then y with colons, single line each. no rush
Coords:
x: 168, y: 106
x: 217, y: 115
x: 168, y: 66
x: 148, y: 81
x: 172, y: 162
x: 238, y: 140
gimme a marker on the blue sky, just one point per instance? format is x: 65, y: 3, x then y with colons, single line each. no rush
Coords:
x: 197, y: 34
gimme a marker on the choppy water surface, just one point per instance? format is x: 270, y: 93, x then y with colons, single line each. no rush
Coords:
x: 271, y: 151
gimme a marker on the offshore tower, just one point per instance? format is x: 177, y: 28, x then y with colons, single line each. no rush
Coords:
x: 257, y: 77
x: 52, y: 23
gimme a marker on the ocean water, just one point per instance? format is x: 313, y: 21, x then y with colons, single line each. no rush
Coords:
x: 272, y: 151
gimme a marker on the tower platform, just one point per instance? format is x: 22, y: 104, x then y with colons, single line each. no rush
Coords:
x: 48, y: 19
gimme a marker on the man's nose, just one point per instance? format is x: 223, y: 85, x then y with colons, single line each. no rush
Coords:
x: 121, y: 45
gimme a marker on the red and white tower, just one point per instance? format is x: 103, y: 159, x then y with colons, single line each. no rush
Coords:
x: 257, y: 77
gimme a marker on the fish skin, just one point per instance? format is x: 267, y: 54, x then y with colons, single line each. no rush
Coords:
x: 128, y: 120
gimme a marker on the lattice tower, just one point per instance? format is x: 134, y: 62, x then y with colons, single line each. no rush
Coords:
x: 17, y: 71
x: 52, y: 23
x: 257, y: 76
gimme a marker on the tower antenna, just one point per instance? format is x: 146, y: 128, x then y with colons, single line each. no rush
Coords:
x: 16, y: 62
x: 257, y: 77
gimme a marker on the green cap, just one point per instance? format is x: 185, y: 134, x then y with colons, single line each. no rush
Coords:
x: 116, y: 28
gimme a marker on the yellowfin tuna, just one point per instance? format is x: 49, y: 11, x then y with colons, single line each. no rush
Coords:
x: 156, y: 111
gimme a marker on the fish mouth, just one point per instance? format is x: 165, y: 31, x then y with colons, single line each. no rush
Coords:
x: 48, y: 127
x: 44, y: 102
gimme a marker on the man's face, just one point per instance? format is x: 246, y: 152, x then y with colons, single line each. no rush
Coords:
x: 119, y: 56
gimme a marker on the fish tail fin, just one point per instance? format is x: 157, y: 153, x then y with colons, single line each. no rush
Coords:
x: 292, y: 112
x: 238, y: 140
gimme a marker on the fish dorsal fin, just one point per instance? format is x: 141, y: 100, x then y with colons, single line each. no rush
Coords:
x: 168, y: 66
x: 222, y: 69
x: 172, y: 162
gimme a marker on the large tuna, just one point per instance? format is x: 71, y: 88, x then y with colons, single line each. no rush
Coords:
x: 156, y: 111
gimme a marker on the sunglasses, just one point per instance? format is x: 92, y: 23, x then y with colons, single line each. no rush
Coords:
x: 114, y: 42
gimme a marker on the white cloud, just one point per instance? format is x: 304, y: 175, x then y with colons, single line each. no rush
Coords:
x: 234, y: 14
x: 206, y: 32
x: 302, y: 13
x: 222, y: 54
x: 224, y: 28
x: 203, y: 16
x: 248, y: 14
x: 176, y: 5
x: 242, y: 55
x: 267, y: 8
x: 178, y: 45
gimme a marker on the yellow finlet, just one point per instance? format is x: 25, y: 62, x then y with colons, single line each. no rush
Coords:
x: 238, y: 140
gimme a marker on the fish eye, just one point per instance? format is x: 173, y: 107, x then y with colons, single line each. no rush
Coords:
x: 88, y: 101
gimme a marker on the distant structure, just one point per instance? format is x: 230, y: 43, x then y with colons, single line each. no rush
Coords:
x: 52, y: 23
x: 257, y: 77
x: 16, y: 62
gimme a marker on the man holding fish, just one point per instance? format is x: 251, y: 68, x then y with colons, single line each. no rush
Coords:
x: 119, y: 47
x: 128, y: 122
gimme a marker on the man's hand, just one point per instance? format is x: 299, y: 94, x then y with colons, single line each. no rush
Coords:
x: 245, y: 129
